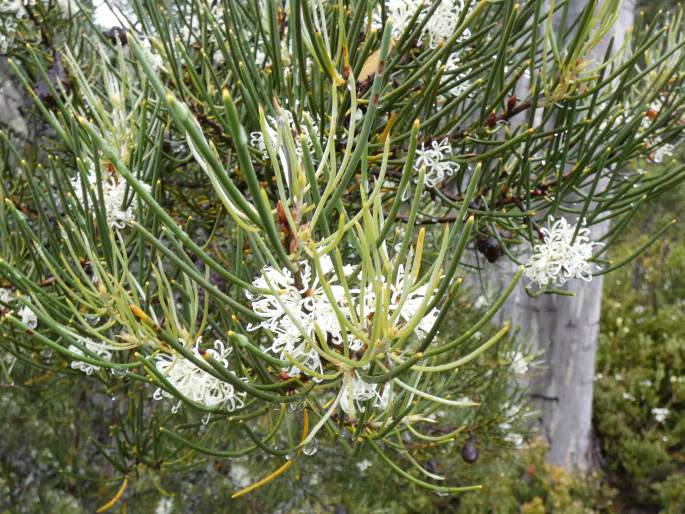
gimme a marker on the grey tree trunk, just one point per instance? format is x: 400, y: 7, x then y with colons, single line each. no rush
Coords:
x: 565, y: 331
x: 11, y: 100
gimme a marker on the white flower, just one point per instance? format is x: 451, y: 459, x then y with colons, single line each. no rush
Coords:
x: 293, y: 313
x: 399, y: 13
x: 355, y: 391
x: 299, y: 313
x: 188, y: 24
x: 515, y: 439
x: 439, y: 27
x: 28, y: 317
x: 10, y: 6
x: 435, y: 159
x: 165, y: 506
x: 195, y: 383
x: 519, y: 363
x: 413, y: 301
x: 260, y: 58
x: 510, y: 412
x: 560, y: 257
x: 286, y: 295
x: 660, y: 414
x: 6, y: 295
x: 452, y: 64
x: 481, y: 301
x: 96, y: 348
x: 114, y: 196
x: 363, y: 465
x: 218, y: 58
x: 239, y: 474
x: 663, y: 151
x: 443, y: 22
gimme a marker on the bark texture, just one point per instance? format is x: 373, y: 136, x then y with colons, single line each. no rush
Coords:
x: 11, y: 102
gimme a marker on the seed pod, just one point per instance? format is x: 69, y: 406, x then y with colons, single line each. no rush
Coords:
x: 490, y: 247
x: 470, y: 451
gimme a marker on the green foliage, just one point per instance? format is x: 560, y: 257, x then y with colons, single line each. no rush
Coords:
x: 70, y: 438
x: 641, y: 367
x: 524, y: 482
x: 302, y: 183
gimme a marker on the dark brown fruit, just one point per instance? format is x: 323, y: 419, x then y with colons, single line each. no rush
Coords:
x: 470, y: 451
x: 490, y: 247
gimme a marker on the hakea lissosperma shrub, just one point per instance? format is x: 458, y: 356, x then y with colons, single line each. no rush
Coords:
x: 248, y: 206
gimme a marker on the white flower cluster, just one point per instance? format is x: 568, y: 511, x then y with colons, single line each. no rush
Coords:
x: 660, y: 150
x: 293, y: 312
x: 443, y: 22
x: 561, y: 257
x: 108, y: 14
x: 439, y: 27
x: 400, y: 13
x: 114, y: 196
x: 436, y: 160
x: 412, y: 303
x: 297, y: 310
x: 660, y: 414
x: 355, y: 392
x: 195, y: 383
x: 98, y: 349
x: 165, y: 505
